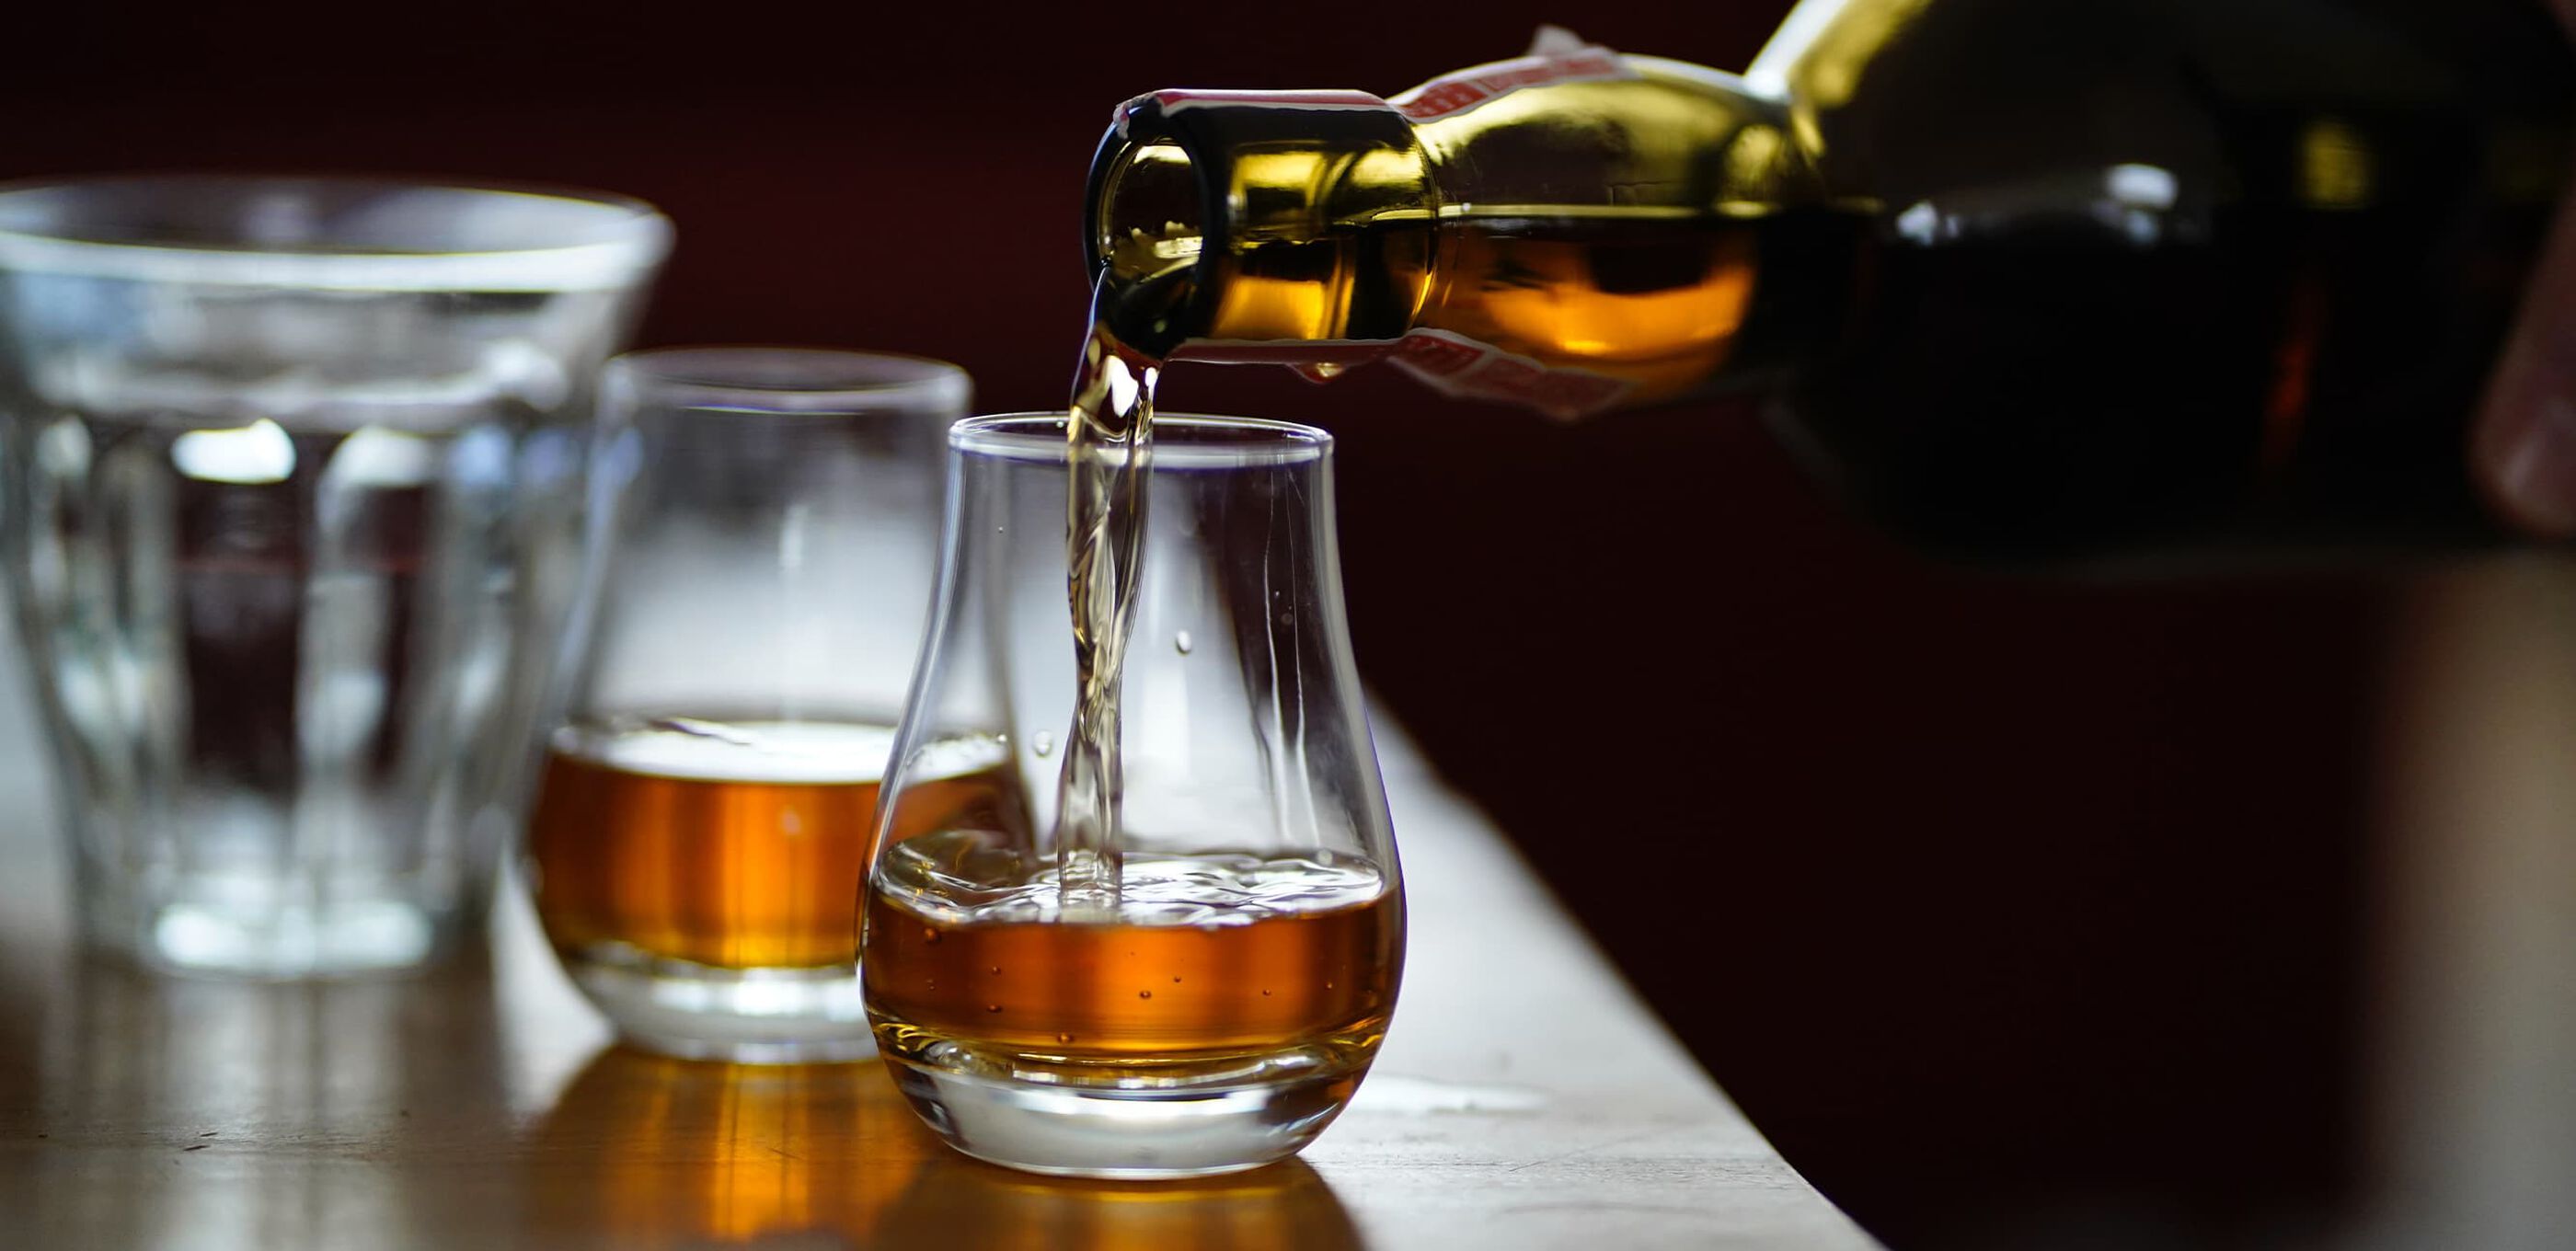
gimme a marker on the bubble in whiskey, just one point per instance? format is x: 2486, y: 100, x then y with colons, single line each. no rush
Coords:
x: 1181, y: 642
x: 1064, y: 1038
x: 1176, y: 981
x: 992, y: 1007
x: 1144, y: 994
x: 930, y: 936
x: 996, y: 970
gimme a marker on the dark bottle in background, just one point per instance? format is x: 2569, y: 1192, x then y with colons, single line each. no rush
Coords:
x: 2030, y: 280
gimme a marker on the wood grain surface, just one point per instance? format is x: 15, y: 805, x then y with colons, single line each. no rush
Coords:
x: 1525, y: 1099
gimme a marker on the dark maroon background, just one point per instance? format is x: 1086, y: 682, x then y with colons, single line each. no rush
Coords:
x: 2013, y: 911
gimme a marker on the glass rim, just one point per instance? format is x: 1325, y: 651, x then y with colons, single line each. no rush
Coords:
x: 774, y: 379
x: 626, y: 238
x: 1181, y: 440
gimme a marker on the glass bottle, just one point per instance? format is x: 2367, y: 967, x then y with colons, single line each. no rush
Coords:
x: 2030, y: 279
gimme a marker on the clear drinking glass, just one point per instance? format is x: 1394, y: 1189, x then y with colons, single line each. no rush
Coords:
x: 765, y: 533
x: 1220, y: 1010
x: 289, y: 499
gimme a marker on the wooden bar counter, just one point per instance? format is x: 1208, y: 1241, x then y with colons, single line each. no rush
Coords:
x: 1525, y: 1099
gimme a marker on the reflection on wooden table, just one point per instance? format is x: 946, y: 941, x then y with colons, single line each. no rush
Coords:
x: 646, y: 1152
x: 960, y: 1202
x: 704, y: 1154
x: 307, y: 1086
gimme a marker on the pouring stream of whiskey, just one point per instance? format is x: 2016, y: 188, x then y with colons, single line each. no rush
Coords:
x: 1109, y: 434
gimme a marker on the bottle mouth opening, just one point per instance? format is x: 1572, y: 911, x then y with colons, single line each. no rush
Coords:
x: 1150, y: 213
x: 1205, y: 208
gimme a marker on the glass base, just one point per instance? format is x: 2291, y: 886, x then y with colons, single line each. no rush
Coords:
x: 337, y: 938
x: 745, y: 1016
x: 1069, y: 1119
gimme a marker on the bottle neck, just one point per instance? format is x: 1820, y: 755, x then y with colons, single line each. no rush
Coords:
x: 1260, y: 225
x: 1572, y: 231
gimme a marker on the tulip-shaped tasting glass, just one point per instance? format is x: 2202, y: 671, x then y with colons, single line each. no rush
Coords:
x: 1203, y: 993
x: 764, y: 541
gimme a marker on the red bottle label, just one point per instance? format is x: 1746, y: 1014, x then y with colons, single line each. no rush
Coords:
x: 1447, y: 362
x: 1456, y: 365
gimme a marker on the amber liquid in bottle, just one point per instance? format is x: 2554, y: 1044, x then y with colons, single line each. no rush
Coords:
x: 2031, y: 281
x: 1637, y: 307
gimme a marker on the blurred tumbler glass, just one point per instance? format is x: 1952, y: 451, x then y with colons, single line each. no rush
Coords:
x: 290, y: 508
x: 766, y: 526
